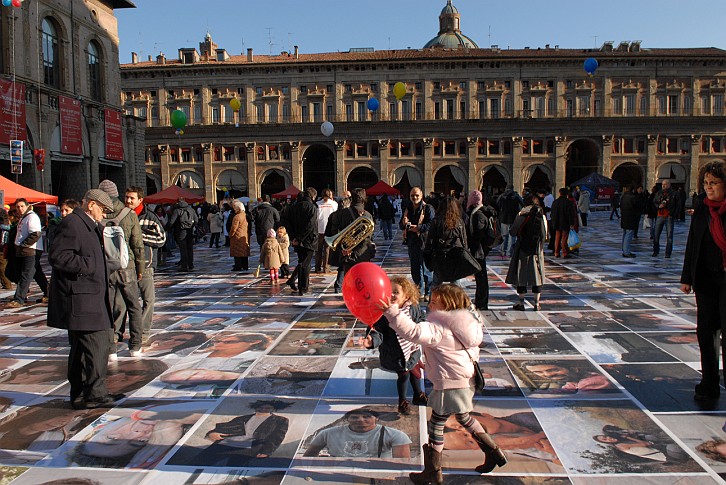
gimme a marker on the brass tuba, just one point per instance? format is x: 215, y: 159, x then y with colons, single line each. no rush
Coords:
x: 352, y: 235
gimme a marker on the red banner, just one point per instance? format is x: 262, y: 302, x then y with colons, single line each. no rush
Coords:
x: 114, y: 137
x: 70, y: 121
x: 12, y: 112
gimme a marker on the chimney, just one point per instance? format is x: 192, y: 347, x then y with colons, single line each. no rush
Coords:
x: 150, y: 58
x: 160, y: 59
x: 134, y: 58
x: 250, y: 56
x: 297, y: 53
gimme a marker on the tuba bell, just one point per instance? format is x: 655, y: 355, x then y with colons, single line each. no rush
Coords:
x: 352, y: 235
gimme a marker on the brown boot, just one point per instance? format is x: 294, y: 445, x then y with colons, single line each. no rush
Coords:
x: 493, y: 455
x: 431, y: 473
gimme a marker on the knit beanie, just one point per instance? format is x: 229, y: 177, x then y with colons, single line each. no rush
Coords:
x: 109, y: 187
x: 271, y: 233
x: 475, y: 199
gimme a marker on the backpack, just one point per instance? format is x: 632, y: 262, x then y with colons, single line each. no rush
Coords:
x: 186, y: 219
x: 114, y: 243
x: 493, y: 233
x: 530, y: 232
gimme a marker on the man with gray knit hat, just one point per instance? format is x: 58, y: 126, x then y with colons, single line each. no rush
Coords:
x: 123, y: 283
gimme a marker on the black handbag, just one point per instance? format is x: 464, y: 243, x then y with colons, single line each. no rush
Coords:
x: 455, y: 263
x: 479, y: 381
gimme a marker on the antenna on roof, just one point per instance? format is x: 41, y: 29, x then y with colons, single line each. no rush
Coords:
x: 269, y: 38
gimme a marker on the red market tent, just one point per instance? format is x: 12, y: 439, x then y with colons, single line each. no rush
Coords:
x: 15, y: 191
x: 171, y: 194
x: 381, y: 188
x: 290, y: 191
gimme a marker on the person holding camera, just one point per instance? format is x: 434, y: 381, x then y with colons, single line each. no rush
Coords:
x: 415, y: 222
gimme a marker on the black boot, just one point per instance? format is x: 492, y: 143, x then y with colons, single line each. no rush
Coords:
x: 493, y: 455
x: 431, y: 473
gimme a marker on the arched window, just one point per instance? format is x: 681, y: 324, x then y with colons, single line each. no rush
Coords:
x: 95, y: 83
x: 51, y: 54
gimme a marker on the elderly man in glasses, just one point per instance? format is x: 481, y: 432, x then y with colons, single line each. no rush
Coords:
x: 415, y: 221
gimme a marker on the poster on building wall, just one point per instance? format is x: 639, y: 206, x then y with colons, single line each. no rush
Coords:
x: 16, y: 156
x: 70, y: 121
x: 114, y: 138
x: 12, y: 111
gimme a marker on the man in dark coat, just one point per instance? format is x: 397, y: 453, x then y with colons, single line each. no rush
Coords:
x: 476, y: 230
x: 79, y: 300
x: 630, y: 218
x: 563, y: 219
x: 265, y: 218
x: 303, y: 232
x: 666, y: 203
x: 508, y: 206
x: 182, y: 221
x: 415, y: 222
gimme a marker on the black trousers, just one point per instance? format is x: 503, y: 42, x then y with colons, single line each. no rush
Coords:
x: 304, y: 258
x: 185, y: 241
x: 88, y: 363
x: 710, y: 323
x: 481, y: 297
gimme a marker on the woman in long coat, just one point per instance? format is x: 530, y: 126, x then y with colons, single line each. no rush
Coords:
x: 526, y: 267
x: 239, y: 238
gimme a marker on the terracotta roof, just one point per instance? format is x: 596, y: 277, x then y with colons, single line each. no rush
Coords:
x: 434, y: 54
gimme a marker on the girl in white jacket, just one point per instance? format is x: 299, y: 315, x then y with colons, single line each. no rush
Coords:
x: 451, y: 330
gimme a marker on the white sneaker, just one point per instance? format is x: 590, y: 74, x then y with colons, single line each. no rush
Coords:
x: 135, y: 353
x: 113, y: 357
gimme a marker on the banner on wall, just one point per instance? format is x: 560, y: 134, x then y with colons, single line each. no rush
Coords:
x: 114, y: 137
x: 70, y: 121
x: 12, y: 111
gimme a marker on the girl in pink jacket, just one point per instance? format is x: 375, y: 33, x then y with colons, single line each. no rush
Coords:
x: 451, y: 330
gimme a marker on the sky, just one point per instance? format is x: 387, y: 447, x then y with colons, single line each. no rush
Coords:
x: 317, y: 26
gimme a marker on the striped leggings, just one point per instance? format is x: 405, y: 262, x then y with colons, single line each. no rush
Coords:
x: 436, y: 428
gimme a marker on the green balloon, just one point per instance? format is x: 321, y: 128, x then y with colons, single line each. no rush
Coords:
x: 178, y: 119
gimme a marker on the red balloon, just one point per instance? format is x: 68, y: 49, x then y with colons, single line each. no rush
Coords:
x: 364, y: 285
x: 17, y: 3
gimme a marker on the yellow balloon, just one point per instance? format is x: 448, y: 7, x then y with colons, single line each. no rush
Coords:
x: 235, y: 104
x: 399, y: 90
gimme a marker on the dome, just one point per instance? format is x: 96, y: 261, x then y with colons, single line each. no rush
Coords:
x: 450, y: 36
x: 451, y: 40
x: 449, y: 9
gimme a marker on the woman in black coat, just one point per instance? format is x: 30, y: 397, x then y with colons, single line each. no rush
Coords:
x: 703, y: 272
x: 446, y: 232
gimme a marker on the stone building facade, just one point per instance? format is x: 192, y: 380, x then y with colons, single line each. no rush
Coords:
x: 68, y: 50
x: 470, y: 117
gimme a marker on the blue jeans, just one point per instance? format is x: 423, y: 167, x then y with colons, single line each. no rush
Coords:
x: 420, y: 274
x: 627, y: 240
x: 507, y: 241
x: 387, y: 228
x: 659, y: 223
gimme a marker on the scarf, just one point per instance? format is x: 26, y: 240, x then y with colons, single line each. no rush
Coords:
x: 139, y: 209
x: 716, y: 210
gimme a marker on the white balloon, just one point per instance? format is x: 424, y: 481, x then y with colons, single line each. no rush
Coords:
x: 327, y: 128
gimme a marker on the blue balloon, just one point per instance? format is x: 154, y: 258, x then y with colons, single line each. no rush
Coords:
x: 7, y: 3
x: 591, y: 65
x: 372, y: 104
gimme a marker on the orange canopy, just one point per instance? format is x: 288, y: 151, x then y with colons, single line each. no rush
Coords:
x: 171, y: 194
x: 15, y: 191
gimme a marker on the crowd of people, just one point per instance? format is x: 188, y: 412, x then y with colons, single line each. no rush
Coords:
x: 95, y: 293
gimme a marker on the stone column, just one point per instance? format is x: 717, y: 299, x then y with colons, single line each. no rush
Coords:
x: 428, y: 171
x: 651, y: 176
x: 209, y: 188
x: 294, y: 162
x: 517, y: 167
x: 251, y: 173
x: 695, y: 168
x: 560, y: 163
x: 607, y: 151
x: 383, y: 153
x: 472, y: 143
x: 340, y: 166
x: 93, y: 127
x: 164, y: 155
